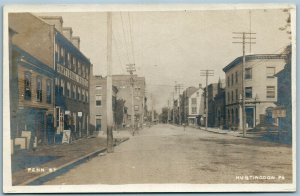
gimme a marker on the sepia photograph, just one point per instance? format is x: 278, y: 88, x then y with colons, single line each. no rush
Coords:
x: 149, y: 98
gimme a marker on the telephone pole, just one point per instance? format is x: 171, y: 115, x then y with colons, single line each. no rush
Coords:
x: 178, y: 87
x: 131, y: 69
x: 206, y: 73
x: 109, y: 112
x: 242, y: 40
x: 173, y: 109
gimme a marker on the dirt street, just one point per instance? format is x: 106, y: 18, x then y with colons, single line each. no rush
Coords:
x: 168, y: 154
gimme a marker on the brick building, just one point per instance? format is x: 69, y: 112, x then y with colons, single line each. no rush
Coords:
x: 122, y: 82
x: 98, y: 104
x: 46, y: 40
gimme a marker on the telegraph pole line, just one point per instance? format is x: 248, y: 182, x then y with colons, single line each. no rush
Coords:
x: 131, y: 69
x: 242, y: 40
x: 168, y: 111
x: 178, y: 87
x: 109, y: 112
x: 206, y: 73
x: 173, y: 109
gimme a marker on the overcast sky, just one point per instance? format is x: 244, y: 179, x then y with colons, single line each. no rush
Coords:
x: 174, y: 46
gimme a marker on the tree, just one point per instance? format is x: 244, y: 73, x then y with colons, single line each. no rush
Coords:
x: 119, y: 111
x: 164, y: 115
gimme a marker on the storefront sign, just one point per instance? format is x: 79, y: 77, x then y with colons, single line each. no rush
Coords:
x: 66, y: 136
x: 279, y: 113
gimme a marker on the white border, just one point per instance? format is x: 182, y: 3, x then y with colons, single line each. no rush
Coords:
x: 8, y: 188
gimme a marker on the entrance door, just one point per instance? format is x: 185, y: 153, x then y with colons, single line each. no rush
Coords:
x: 250, y: 117
x: 40, y: 127
x: 50, y: 129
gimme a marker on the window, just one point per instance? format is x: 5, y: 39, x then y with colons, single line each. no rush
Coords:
x: 69, y: 60
x: 248, y: 92
x: 86, y: 96
x: 236, y: 77
x: 83, y: 71
x: 62, y: 87
x: 98, y: 89
x: 248, y: 73
x: 194, y: 101
x: 228, y: 97
x: 78, y: 93
x: 232, y: 96
x: 194, y: 110
x: 82, y: 95
x: 62, y: 56
x: 39, y: 95
x: 98, y: 100
x: 228, y: 81
x: 198, y: 94
x: 87, y: 73
x: 79, y: 68
x: 270, y: 72
x: 98, y: 122
x: 236, y: 95
x: 231, y: 79
x: 270, y: 91
x: 136, y: 108
x: 68, y: 93
x: 74, y: 92
x: 49, y: 91
x: 27, y: 86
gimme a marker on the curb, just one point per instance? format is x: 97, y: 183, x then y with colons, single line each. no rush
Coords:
x: 41, y: 179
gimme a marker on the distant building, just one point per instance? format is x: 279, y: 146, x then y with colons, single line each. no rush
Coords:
x: 98, y: 104
x: 185, y: 110
x: 219, y: 105
x: 195, y: 113
x: 260, y: 89
x: 122, y: 82
x: 212, y: 90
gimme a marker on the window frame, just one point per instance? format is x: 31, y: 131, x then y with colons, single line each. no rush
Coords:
x: 248, y: 87
x: 249, y: 75
x: 27, y: 92
x: 39, y: 89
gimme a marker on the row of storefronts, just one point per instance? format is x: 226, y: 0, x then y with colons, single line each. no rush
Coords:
x: 49, y: 82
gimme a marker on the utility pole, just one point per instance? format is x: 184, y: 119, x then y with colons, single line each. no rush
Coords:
x: 152, y: 111
x: 244, y: 42
x: 178, y: 87
x: 168, y: 111
x: 173, y: 109
x: 109, y: 112
x: 206, y: 73
x: 131, y: 69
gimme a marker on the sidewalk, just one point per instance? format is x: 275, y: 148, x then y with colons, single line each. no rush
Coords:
x: 252, y: 135
x: 30, y: 165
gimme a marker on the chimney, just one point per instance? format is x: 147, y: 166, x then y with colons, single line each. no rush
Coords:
x: 67, y: 32
x: 57, y: 21
x: 76, y: 42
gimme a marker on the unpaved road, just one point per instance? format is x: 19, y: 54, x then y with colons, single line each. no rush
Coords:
x: 168, y: 154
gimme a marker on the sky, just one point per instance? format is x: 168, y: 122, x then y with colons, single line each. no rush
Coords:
x: 169, y: 46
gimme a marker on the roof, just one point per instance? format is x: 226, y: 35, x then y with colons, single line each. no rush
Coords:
x: 253, y: 57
